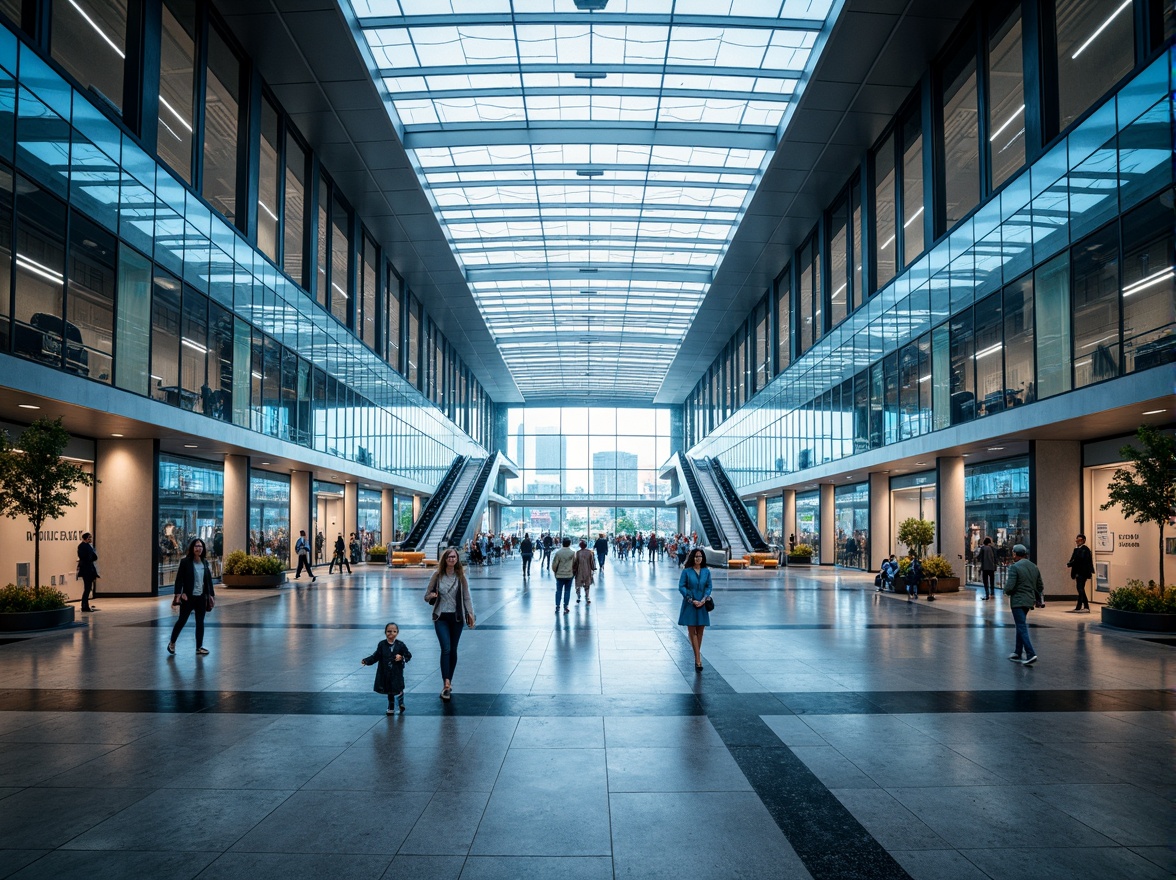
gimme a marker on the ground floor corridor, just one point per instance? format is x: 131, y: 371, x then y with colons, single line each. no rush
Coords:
x: 834, y: 733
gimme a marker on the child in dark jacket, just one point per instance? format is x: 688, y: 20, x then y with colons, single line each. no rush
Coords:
x: 389, y: 659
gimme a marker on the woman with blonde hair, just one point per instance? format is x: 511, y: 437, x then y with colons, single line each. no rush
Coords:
x: 449, y: 594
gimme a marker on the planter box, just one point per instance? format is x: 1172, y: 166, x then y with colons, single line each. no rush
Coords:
x: 22, y: 621
x: 377, y: 560
x: 253, y: 581
x: 800, y: 560
x: 1141, y: 621
x: 944, y: 585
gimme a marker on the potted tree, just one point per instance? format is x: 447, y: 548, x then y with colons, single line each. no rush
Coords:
x: 937, y: 568
x: 378, y: 554
x: 917, y: 535
x: 37, y: 483
x: 1145, y: 493
x: 252, y: 572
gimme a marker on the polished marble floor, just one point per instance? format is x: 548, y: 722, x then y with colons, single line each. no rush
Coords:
x: 834, y: 733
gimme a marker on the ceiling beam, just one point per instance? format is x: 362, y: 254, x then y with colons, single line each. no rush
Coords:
x: 594, y: 19
x: 733, y: 137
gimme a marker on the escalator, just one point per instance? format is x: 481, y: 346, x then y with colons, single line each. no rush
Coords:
x: 747, y: 527
x: 475, y: 503
x: 445, y: 505
x: 709, y: 533
x: 719, y: 510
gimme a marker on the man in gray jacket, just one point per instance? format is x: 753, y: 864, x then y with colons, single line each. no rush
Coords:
x: 987, y: 557
x: 1025, y: 590
x: 563, y: 567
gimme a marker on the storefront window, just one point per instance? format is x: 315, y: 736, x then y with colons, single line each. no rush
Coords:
x: 808, y: 521
x: 996, y: 506
x: 852, y: 512
x: 912, y: 496
x: 269, y: 514
x: 328, y: 518
x: 370, y: 525
x: 775, y: 521
x: 402, y: 505
x: 191, y: 505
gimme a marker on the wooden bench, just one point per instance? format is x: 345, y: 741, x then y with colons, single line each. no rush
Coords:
x: 771, y: 562
x: 736, y: 563
x: 401, y: 558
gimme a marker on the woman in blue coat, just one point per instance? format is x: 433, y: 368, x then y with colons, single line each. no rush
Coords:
x: 695, y: 586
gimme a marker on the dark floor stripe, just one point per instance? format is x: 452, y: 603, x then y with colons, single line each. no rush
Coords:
x: 585, y: 623
x: 717, y: 701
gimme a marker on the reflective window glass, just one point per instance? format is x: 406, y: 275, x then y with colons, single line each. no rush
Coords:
x: 884, y: 207
x: 340, y: 260
x: 1094, y: 291
x: 268, y: 182
x: 1096, y: 47
x: 191, y: 505
x: 367, y: 329
x: 221, y: 108
x: 269, y: 515
x: 963, y: 396
x: 5, y: 255
x: 856, y: 292
x: 1149, y: 285
x: 321, y: 287
x: 1051, y: 293
x: 90, y: 41
x: 165, y: 338
x: 912, y: 188
x: 838, y: 263
x: 1006, y: 99
x: 784, y: 321
x: 217, y: 398
x: 177, y: 71
x: 194, y: 351
x: 133, y: 324
x: 11, y: 9
x: 989, y: 356
x: 961, y: 146
x: 1018, y: 342
x: 392, y: 302
x: 806, y: 293
x: 40, y: 267
x: 89, y: 302
x: 414, y: 330
x: 294, y: 211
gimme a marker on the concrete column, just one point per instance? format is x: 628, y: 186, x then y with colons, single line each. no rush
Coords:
x: 387, y: 516
x: 828, y: 551
x: 761, y: 514
x: 125, y: 517
x: 789, y: 518
x: 879, y: 518
x: 350, y: 510
x: 1055, y: 511
x: 236, y: 503
x: 416, y: 509
x: 301, y: 497
x: 950, y: 524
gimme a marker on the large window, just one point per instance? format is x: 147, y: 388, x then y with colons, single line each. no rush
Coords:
x: 912, y: 187
x: 996, y: 506
x: 1095, y: 304
x: 366, y: 321
x: 90, y: 41
x: 133, y: 326
x: 294, y: 211
x: 340, y: 259
x: 1149, y: 286
x: 884, y: 207
x: 269, y: 514
x: 961, y: 145
x: 784, y: 321
x: 840, y: 232
x: 1006, y: 98
x: 40, y: 275
x: 1051, y: 286
x: 89, y: 325
x: 221, y: 108
x: 1096, y: 47
x: 177, y: 66
x: 268, y: 182
x: 1018, y: 342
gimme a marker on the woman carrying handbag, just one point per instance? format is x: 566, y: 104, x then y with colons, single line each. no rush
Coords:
x: 194, y: 594
x: 449, y: 594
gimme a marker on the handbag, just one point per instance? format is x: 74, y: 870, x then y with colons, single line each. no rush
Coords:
x: 708, y: 603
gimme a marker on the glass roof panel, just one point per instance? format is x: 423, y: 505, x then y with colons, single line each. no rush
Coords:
x: 560, y: 151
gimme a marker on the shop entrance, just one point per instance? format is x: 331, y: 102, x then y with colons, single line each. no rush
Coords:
x: 328, y: 518
x: 911, y: 496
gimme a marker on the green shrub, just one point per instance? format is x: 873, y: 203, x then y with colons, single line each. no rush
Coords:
x: 801, y: 550
x: 937, y: 567
x: 1149, y: 598
x: 14, y: 598
x: 378, y: 550
x: 240, y: 562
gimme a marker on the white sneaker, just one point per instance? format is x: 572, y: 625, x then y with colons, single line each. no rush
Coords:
x: 1029, y: 661
x: 1016, y: 658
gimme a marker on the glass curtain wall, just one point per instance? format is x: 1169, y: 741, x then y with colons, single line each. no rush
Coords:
x: 1096, y: 47
x: 269, y: 514
x: 90, y: 41
x: 222, y: 106
x: 191, y: 505
x: 177, y: 87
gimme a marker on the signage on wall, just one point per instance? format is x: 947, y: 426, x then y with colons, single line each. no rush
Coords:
x: 1104, y: 538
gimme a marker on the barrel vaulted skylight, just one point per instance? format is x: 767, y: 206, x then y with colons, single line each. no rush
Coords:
x: 590, y: 160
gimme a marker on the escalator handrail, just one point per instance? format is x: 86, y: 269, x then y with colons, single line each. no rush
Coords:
x: 742, y: 518
x: 707, y: 521
x: 436, y: 500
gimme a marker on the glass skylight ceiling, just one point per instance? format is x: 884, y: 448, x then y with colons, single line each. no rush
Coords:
x: 590, y: 167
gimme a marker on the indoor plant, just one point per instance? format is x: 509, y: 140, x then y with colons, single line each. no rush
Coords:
x: 378, y: 553
x: 23, y: 608
x: 242, y: 570
x: 801, y: 554
x: 1141, y: 606
x: 938, y: 567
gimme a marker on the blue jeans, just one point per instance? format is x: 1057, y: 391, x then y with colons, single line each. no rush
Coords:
x: 448, y: 629
x: 563, y: 585
x: 1021, y: 619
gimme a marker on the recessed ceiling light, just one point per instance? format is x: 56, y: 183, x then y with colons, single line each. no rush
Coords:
x: 921, y: 463
x: 116, y: 435
x: 190, y: 446
x: 1154, y: 412
x: 995, y: 448
x: 28, y: 406
x: 966, y: 454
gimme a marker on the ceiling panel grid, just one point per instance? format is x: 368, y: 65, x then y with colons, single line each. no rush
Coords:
x: 590, y: 160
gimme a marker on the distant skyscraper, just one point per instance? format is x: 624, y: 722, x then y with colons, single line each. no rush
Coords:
x: 551, y: 451
x: 614, y: 473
